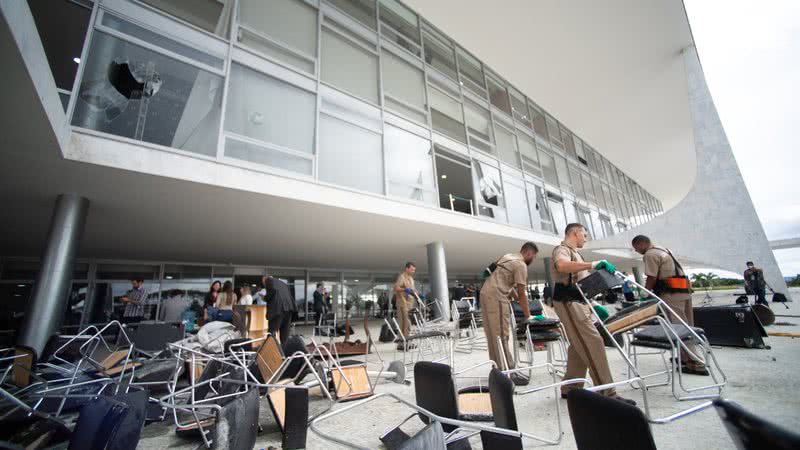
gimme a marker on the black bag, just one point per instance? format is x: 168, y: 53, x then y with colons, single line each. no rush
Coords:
x: 778, y: 297
x: 386, y: 335
x: 742, y: 300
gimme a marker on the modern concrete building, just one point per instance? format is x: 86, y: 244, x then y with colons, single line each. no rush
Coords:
x: 333, y: 140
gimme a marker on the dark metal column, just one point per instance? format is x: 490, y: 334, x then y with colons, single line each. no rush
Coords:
x: 48, y: 300
x: 437, y: 273
x: 548, y: 277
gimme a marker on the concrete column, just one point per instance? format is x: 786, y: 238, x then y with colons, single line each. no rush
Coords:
x: 637, y: 275
x: 437, y: 273
x: 48, y: 300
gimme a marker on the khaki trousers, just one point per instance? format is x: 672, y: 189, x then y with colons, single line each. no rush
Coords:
x: 682, y: 305
x: 496, y: 322
x: 586, y: 348
x: 403, y: 307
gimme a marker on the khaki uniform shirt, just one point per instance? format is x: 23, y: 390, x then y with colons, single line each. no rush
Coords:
x: 404, y: 281
x: 566, y: 253
x: 659, y: 264
x: 511, y: 270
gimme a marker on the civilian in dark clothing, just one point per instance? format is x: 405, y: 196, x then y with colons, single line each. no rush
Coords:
x: 319, y: 301
x: 280, y: 307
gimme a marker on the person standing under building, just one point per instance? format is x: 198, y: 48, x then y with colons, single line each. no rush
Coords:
x: 134, y: 301
x: 586, y: 349
x: 754, y: 282
x: 666, y: 279
x: 508, y: 278
x: 627, y: 292
x: 173, y: 307
x: 319, y: 302
x: 280, y: 307
x: 403, y: 290
x: 246, y: 297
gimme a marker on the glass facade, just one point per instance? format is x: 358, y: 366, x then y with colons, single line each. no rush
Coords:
x: 349, y: 93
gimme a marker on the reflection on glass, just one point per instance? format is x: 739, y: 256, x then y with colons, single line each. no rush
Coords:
x: 136, y: 93
x: 401, y: 20
x: 479, y: 127
x: 283, y: 29
x: 540, y: 212
x: 557, y: 210
x: 471, y: 73
x: 409, y: 165
x: 548, y: 168
x: 258, y: 154
x: 439, y: 53
x: 349, y: 155
x: 349, y: 66
x: 446, y: 116
x: 498, y: 95
x: 406, y: 83
x: 210, y: 16
x: 361, y: 10
x: 507, y: 147
x: 517, y: 204
x: 269, y: 110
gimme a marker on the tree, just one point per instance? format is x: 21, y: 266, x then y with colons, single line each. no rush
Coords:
x: 710, y: 277
x: 699, y: 279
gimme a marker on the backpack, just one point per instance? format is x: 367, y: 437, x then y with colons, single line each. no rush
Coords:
x: 386, y: 335
x: 778, y: 297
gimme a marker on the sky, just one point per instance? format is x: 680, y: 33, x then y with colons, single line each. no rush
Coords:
x: 750, y: 52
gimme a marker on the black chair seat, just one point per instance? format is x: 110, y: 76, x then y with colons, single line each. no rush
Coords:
x: 657, y: 334
x: 749, y: 431
x: 595, y: 417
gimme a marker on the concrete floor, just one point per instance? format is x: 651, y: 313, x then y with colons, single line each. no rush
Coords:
x: 763, y: 381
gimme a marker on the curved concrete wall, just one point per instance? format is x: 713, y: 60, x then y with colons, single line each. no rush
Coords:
x: 716, y: 222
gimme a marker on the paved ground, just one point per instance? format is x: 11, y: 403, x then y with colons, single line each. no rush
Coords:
x: 765, y: 382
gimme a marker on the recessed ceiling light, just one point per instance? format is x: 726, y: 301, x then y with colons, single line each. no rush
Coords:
x: 77, y: 60
x: 444, y: 177
x: 356, y: 281
x: 253, y: 285
x: 168, y: 277
x: 20, y: 285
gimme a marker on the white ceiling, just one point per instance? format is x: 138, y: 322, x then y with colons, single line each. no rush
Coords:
x: 610, y: 70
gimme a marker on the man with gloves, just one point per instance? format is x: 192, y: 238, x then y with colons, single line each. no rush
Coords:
x: 403, y: 291
x: 586, y: 349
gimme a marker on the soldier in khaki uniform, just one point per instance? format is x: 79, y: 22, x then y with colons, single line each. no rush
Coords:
x: 509, y: 277
x: 665, y: 278
x: 403, y: 289
x: 586, y: 348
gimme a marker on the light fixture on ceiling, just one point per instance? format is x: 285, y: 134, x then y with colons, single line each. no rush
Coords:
x: 76, y: 60
x: 168, y: 277
x: 356, y: 281
x: 20, y: 285
x: 253, y: 285
x: 444, y: 176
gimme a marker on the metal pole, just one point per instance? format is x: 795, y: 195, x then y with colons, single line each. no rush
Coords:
x: 46, y: 307
x: 437, y: 272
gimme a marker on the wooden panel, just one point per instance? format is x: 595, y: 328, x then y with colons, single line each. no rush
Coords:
x: 269, y: 357
x: 475, y: 403
x: 118, y: 369
x: 627, y: 321
x: 277, y: 400
x: 251, y: 320
x: 21, y: 373
x: 359, y: 381
x: 114, y: 359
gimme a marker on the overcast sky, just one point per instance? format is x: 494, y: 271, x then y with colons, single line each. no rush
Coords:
x: 750, y: 52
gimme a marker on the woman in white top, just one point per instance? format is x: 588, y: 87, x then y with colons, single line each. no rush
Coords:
x: 246, y: 298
